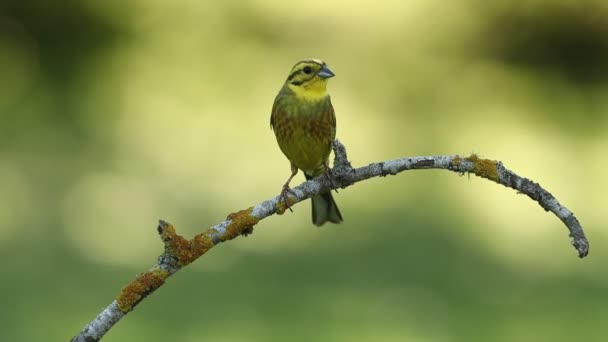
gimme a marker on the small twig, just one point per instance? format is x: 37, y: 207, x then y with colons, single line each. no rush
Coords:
x: 180, y: 251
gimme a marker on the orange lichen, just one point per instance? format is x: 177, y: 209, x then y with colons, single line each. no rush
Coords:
x: 166, y: 231
x: 282, y: 207
x: 241, y: 223
x: 184, y: 250
x: 199, y: 245
x: 139, y: 288
x: 484, y: 167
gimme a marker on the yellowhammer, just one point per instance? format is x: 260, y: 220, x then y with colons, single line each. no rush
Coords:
x: 304, y: 123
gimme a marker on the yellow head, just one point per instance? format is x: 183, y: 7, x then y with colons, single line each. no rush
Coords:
x: 308, y: 79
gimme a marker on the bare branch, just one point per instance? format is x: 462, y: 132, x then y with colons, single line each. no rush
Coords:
x: 180, y: 251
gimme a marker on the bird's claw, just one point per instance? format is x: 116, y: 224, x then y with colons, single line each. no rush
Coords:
x: 284, y: 196
x: 328, y: 178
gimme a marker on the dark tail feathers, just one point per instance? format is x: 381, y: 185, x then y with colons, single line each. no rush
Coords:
x: 324, y: 209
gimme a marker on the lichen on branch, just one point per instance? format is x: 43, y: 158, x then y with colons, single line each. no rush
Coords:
x: 180, y: 251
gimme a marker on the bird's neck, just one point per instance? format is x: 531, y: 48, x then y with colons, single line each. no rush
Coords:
x: 312, y: 91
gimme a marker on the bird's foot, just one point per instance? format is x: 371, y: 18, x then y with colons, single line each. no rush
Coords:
x: 328, y: 178
x: 284, y: 196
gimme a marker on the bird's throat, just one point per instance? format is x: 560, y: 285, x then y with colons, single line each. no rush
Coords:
x: 313, y: 91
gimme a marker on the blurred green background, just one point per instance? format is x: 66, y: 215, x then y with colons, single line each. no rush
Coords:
x: 113, y: 115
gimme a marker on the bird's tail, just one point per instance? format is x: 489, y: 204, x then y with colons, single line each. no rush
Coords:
x: 324, y: 208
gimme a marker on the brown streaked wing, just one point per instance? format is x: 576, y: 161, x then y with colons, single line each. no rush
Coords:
x: 272, y: 113
x: 332, y: 119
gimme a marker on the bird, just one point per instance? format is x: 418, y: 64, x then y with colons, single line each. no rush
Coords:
x: 304, y: 123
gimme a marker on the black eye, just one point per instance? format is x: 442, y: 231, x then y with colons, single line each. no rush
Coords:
x: 307, y: 70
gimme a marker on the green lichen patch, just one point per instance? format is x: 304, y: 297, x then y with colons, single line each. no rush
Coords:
x: 484, y: 167
x: 456, y: 162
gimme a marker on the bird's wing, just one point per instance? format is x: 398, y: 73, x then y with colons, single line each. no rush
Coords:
x: 273, y: 114
x: 332, y: 120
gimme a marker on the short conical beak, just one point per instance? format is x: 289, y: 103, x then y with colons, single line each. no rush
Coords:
x: 326, y: 73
